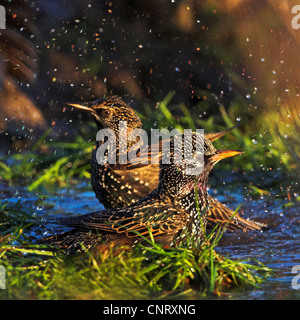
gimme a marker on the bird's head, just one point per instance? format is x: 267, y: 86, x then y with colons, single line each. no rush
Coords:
x: 109, y: 111
x: 191, y: 163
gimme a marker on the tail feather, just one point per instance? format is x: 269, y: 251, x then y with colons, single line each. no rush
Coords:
x: 72, y: 241
x: 217, y: 135
x: 219, y: 213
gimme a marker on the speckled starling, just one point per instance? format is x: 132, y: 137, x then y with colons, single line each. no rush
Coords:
x: 170, y: 212
x: 122, y: 184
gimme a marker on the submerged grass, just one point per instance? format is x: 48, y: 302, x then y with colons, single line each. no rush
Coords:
x: 149, y: 271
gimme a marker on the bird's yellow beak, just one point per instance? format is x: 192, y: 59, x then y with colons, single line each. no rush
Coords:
x: 222, y: 154
x: 80, y: 106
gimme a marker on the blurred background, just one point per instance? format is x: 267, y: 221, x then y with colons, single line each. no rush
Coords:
x: 179, y: 63
x: 213, y: 64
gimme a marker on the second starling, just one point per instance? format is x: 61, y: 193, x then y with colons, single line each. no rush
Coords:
x: 169, y: 213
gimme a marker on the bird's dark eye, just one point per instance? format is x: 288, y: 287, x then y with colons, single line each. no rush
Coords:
x: 105, y: 113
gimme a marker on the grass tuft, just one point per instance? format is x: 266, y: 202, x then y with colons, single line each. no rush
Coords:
x: 148, y: 271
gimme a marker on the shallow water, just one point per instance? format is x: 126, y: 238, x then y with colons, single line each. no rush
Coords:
x: 277, y: 248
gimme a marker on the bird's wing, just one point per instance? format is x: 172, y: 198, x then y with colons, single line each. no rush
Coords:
x: 145, y: 157
x: 134, y: 221
x: 135, y: 183
x: 217, y: 135
x: 153, y: 154
x: 219, y: 213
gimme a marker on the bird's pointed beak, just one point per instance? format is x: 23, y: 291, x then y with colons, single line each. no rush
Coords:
x: 222, y: 154
x: 81, y: 106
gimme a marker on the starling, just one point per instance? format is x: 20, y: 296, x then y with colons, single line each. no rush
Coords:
x: 122, y: 184
x: 170, y: 212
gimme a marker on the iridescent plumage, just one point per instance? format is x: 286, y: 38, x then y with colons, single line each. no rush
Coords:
x: 121, y: 185
x: 169, y: 212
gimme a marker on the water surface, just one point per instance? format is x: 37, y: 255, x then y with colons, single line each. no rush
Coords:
x: 278, y: 247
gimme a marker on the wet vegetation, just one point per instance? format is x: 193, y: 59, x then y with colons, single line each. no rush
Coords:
x: 147, y: 271
x: 201, y: 64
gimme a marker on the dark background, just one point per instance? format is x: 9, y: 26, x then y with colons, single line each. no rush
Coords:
x: 241, y: 54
